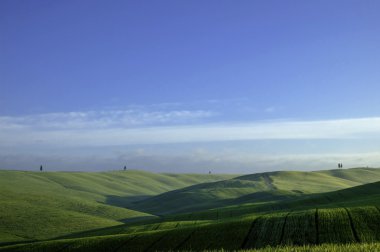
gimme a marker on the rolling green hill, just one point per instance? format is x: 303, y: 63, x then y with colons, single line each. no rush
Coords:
x: 142, y: 211
x: 40, y: 205
x: 363, y: 195
x: 261, y: 187
x: 367, y: 195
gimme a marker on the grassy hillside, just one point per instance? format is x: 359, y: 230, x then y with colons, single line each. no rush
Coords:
x: 40, y: 205
x: 363, y: 195
x: 353, y: 247
x: 310, y: 227
x: 261, y: 187
x: 186, y: 209
x: 367, y: 195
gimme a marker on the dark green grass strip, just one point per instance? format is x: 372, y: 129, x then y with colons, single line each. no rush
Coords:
x: 328, y: 198
x: 177, y: 248
x: 316, y: 227
x: 176, y: 225
x: 246, y: 239
x: 156, y: 227
x: 378, y: 209
x: 26, y: 240
x: 124, y: 243
x: 352, y: 226
x: 66, y: 246
x: 283, y: 228
x: 154, y: 243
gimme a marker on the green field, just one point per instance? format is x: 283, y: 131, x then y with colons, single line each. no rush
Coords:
x: 41, y: 205
x: 261, y: 187
x: 141, y: 211
x: 322, y: 226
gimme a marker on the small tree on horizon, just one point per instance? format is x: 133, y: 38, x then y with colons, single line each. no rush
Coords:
x: 125, y: 168
x: 41, y: 168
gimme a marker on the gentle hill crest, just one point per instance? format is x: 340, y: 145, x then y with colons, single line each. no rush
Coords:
x: 59, y: 203
x: 257, y: 187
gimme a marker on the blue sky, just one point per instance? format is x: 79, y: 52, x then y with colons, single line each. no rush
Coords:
x: 188, y: 86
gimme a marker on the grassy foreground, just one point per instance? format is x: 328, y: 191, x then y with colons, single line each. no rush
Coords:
x: 357, y: 247
x: 354, y: 247
x: 320, y: 226
x: 363, y: 247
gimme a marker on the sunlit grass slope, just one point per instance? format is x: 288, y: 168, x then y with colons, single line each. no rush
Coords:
x: 40, y: 205
x: 260, y: 187
x: 363, y: 195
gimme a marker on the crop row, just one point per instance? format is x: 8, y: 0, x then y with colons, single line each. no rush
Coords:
x: 339, y: 225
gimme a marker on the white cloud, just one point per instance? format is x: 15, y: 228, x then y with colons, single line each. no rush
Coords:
x: 107, y: 128
x: 85, y: 139
x: 102, y: 119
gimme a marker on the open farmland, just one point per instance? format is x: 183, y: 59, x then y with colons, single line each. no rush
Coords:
x: 274, y: 217
x: 60, y: 203
x: 321, y: 226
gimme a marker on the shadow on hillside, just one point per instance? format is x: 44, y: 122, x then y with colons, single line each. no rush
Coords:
x: 131, y: 203
x: 125, y: 201
x: 143, y: 220
x: 17, y: 242
x: 155, y: 205
x: 173, y: 203
x: 137, y: 219
x: 357, y: 196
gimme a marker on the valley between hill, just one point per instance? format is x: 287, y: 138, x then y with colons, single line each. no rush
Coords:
x: 141, y: 211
